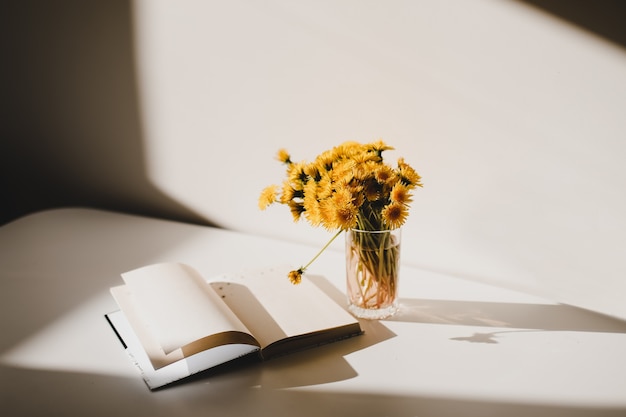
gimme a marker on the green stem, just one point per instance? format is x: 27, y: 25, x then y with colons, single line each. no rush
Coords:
x: 322, y: 250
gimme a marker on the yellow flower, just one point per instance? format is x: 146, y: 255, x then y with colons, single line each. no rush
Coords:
x: 347, y: 149
x: 365, y: 168
x: 313, y: 212
x: 342, y: 197
x: 296, y: 175
x: 296, y: 276
x: 337, y: 213
x: 311, y: 204
x: 283, y: 156
x: 372, y: 190
x: 312, y: 170
x: 357, y: 196
x: 325, y: 187
x: 394, y: 215
x: 326, y: 160
x: 268, y: 196
x: 296, y: 210
x: 287, y: 193
x: 380, y: 146
x: 384, y: 174
x: 408, y: 175
x: 400, y: 194
x: 326, y: 215
x: 345, y: 216
x: 343, y: 172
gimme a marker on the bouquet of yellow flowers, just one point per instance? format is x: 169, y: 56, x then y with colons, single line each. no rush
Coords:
x: 346, y: 187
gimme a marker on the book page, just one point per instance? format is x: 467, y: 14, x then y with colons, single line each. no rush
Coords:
x: 273, y: 308
x: 167, y: 371
x: 179, y: 310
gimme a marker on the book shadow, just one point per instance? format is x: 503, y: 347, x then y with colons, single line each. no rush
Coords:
x: 374, y: 331
x: 518, y: 317
x: 313, y: 366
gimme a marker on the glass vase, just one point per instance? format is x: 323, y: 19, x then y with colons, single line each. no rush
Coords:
x: 372, y: 272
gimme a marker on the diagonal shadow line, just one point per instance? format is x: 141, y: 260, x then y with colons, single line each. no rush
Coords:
x: 603, y: 18
x: 555, y: 317
x: 74, y: 132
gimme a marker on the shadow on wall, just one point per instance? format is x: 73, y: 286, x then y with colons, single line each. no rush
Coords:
x: 71, y: 133
x: 605, y: 18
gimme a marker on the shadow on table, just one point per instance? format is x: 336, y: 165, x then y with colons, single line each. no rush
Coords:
x: 374, y: 331
x: 519, y: 316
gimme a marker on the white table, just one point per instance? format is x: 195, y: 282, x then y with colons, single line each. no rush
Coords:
x: 456, y: 348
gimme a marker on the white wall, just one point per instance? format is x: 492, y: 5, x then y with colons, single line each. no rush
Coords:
x: 513, y: 118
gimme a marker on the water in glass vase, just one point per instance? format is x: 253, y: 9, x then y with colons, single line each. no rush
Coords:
x: 372, y: 272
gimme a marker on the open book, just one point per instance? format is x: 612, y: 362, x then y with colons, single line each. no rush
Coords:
x: 173, y: 323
